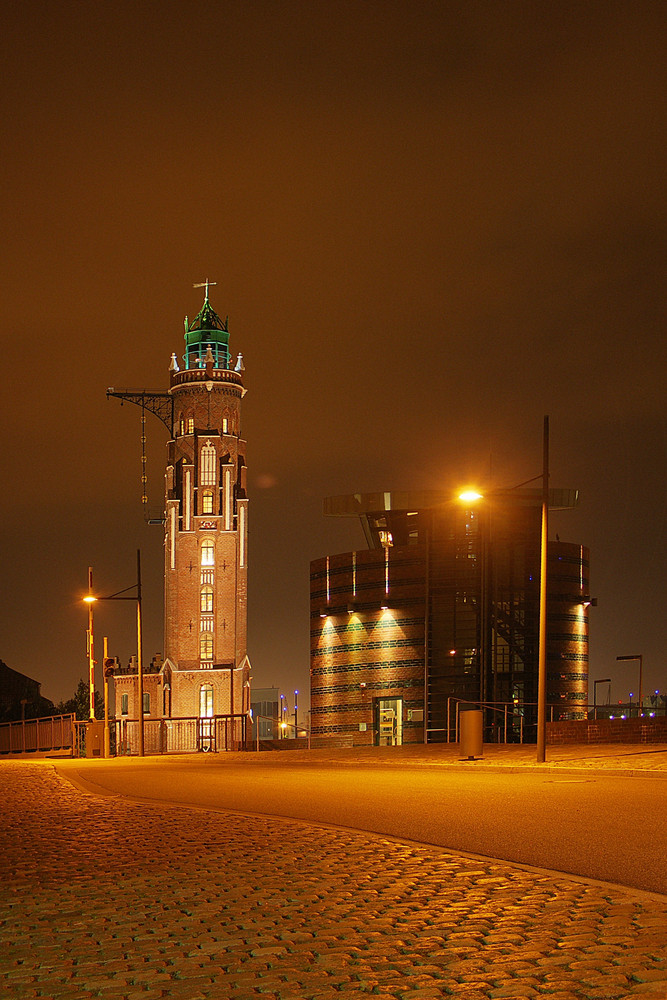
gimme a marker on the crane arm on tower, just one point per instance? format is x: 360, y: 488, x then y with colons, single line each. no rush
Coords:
x: 159, y: 403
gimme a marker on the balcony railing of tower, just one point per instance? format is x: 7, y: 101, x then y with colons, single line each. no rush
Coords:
x: 206, y: 375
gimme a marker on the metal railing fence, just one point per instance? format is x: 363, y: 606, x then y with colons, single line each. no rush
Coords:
x: 55, y: 732
x: 182, y: 735
x: 515, y: 722
x: 287, y: 733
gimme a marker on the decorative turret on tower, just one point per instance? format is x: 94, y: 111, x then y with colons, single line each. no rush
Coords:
x: 206, y: 527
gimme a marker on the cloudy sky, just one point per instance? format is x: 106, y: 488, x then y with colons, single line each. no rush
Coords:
x: 430, y: 224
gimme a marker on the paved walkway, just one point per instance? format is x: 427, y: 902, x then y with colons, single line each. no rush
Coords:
x: 104, y: 898
x: 648, y: 759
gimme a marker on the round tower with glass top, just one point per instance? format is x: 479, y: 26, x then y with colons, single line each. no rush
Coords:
x: 206, y: 668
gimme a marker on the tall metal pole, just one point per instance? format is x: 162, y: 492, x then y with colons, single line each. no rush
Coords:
x: 140, y: 667
x: 107, y: 744
x: 91, y: 645
x: 542, y: 657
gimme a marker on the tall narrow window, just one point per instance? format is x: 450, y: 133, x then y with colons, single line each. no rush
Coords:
x: 206, y: 602
x: 208, y: 552
x: 207, y: 502
x: 225, y: 425
x: 190, y: 425
x: 242, y: 535
x: 206, y: 646
x: 206, y: 701
x: 124, y: 699
x: 207, y: 465
x: 147, y: 703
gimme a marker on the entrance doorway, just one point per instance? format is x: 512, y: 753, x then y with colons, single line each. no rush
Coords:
x: 388, y: 722
x: 206, y: 729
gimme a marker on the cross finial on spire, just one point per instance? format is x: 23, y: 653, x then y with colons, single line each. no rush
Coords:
x: 205, y: 284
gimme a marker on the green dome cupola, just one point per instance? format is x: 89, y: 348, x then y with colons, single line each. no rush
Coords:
x: 206, y: 331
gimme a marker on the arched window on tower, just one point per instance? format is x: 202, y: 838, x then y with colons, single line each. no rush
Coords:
x: 207, y: 465
x: 181, y: 424
x: 206, y: 701
x: 208, y: 552
x: 206, y: 602
x: 206, y: 647
x: 190, y: 424
x: 207, y: 502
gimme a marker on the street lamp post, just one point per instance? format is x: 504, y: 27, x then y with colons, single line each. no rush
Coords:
x: 121, y: 595
x: 91, y: 651
x: 641, y: 664
x: 542, y: 656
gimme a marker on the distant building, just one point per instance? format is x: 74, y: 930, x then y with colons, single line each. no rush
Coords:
x: 206, y: 671
x: 444, y: 605
x: 265, y: 713
x: 20, y: 696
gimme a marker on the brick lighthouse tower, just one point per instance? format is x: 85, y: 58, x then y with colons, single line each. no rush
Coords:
x: 206, y: 667
x: 205, y: 672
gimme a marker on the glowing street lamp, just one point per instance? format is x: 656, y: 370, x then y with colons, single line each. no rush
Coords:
x: 470, y: 496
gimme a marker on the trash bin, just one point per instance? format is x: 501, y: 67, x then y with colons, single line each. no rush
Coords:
x: 470, y: 722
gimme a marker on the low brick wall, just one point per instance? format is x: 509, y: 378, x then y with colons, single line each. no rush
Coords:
x: 608, y: 731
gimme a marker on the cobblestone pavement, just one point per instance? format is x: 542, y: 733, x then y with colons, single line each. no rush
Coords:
x: 106, y: 898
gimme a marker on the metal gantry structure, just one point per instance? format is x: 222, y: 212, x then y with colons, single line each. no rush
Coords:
x: 161, y: 404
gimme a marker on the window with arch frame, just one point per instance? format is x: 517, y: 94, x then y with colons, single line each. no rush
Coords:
x: 207, y: 502
x: 206, y: 646
x: 206, y: 701
x: 206, y: 600
x: 207, y: 465
x: 208, y: 552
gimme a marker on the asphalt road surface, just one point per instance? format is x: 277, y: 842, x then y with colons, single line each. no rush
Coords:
x: 602, y: 827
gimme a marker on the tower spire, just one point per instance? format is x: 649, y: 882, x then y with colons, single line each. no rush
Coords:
x: 205, y: 284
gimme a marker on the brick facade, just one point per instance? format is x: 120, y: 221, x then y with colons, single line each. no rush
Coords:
x: 364, y: 651
x: 638, y: 730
